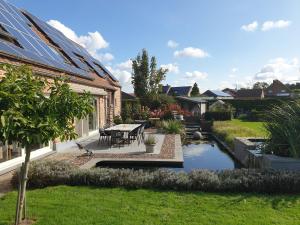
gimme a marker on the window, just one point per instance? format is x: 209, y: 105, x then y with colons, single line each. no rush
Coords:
x: 7, y: 37
x: 93, y: 117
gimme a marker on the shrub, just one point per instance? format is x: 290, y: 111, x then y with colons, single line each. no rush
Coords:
x: 283, y: 125
x: 173, y: 127
x: 129, y: 121
x: 167, y: 115
x: 50, y: 173
x: 46, y: 173
x: 150, y: 140
x: 118, y: 120
x: 218, y: 116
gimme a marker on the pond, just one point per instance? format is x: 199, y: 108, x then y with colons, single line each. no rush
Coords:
x: 206, y: 155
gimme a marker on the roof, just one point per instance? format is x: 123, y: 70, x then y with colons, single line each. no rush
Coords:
x: 192, y: 99
x: 216, y: 93
x: 180, y: 91
x: 249, y: 93
x: 166, y: 89
x: 128, y: 96
x: 23, y: 43
x: 277, y: 88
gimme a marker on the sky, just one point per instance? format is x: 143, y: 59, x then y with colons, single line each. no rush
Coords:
x: 218, y: 44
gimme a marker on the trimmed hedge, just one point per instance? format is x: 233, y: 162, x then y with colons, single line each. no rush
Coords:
x: 218, y: 116
x: 255, y: 104
x: 50, y: 173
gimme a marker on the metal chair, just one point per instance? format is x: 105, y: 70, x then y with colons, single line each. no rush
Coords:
x: 104, y: 135
x: 117, y: 137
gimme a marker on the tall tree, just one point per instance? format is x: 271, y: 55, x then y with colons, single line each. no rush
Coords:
x: 146, y: 78
x: 195, y: 90
x: 29, y: 118
x: 260, y: 85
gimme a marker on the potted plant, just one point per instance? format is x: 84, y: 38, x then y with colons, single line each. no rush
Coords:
x: 150, y: 143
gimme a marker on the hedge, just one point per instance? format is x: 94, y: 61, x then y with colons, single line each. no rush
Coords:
x: 255, y: 104
x: 49, y: 173
x: 218, y: 116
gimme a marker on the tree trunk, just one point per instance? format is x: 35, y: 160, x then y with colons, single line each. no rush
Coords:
x: 22, y: 188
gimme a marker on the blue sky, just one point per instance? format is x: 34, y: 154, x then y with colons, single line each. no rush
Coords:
x: 214, y: 43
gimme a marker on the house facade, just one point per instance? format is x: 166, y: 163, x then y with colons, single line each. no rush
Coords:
x: 195, y: 105
x: 25, y: 39
x: 277, y: 89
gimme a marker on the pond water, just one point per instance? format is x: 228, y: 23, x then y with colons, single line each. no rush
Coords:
x: 206, y: 155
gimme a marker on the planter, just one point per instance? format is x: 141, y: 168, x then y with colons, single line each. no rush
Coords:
x: 150, y: 148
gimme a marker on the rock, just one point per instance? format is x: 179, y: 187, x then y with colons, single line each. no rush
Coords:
x: 197, y: 135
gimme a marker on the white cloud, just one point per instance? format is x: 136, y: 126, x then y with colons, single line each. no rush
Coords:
x: 92, y: 42
x: 103, y: 56
x: 285, y: 70
x: 197, y: 75
x: 127, y: 65
x: 226, y: 84
x: 172, y: 68
x: 124, y: 76
x: 250, y: 27
x: 172, y: 44
x: 234, y: 69
x: 191, y: 52
x: 269, y: 25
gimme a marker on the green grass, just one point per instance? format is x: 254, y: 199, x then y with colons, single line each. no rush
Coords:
x: 228, y: 130
x: 85, y: 205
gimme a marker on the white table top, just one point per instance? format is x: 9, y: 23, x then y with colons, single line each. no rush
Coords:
x: 124, y: 127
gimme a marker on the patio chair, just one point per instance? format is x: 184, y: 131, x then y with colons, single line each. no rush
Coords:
x: 81, y: 147
x: 142, y: 132
x: 133, y: 135
x: 104, y: 135
x: 117, y: 137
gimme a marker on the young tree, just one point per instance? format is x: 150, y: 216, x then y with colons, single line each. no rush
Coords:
x: 146, y: 78
x: 195, y: 90
x: 30, y: 118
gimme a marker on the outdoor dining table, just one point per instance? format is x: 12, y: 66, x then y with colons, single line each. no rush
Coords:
x: 125, y: 128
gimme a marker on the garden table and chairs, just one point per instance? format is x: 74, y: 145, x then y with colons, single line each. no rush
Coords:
x: 121, y: 134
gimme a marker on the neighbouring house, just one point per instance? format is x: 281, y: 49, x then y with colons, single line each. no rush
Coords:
x: 195, y: 105
x: 177, y: 91
x: 278, y: 89
x: 25, y: 39
x: 250, y: 94
x: 128, y: 96
x: 230, y: 91
x: 215, y: 94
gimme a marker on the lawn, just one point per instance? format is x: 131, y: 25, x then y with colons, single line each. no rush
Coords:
x: 228, y: 130
x: 85, y: 205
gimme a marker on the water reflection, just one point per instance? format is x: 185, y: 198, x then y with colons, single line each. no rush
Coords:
x: 206, y: 155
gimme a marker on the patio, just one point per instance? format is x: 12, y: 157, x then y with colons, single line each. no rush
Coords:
x: 168, y: 150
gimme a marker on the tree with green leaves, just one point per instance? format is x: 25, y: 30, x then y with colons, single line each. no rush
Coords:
x: 146, y: 78
x: 195, y: 90
x: 30, y: 118
x: 260, y: 85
